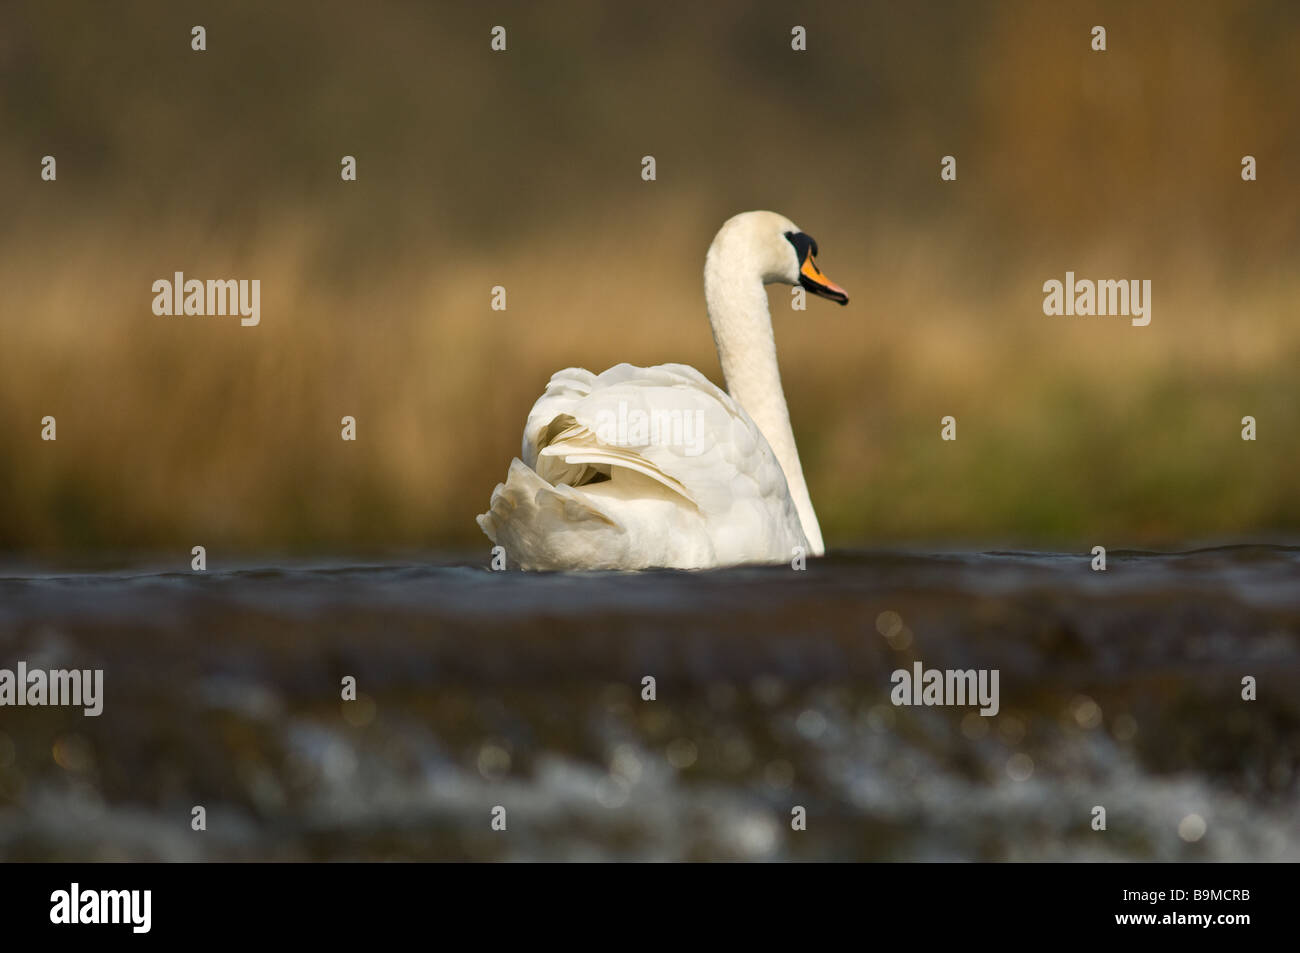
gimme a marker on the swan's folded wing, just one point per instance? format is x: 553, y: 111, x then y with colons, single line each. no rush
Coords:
x: 669, y: 423
x: 565, y: 390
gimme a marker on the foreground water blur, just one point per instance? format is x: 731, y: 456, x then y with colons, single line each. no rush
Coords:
x: 1119, y: 688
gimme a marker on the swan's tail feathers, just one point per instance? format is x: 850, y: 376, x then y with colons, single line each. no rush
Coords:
x: 542, y: 526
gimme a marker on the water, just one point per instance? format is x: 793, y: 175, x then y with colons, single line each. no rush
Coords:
x: 1119, y: 689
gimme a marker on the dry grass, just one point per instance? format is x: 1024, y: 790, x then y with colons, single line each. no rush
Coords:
x: 180, y: 429
x: 522, y: 171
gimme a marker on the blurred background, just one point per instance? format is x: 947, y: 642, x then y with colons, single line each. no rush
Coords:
x: 523, y: 169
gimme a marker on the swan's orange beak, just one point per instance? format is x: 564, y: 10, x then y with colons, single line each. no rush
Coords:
x: 811, y: 277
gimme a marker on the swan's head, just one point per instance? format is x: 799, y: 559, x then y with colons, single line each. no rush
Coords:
x: 776, y: 248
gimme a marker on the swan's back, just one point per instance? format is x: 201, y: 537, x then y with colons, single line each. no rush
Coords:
x: 639, y: 467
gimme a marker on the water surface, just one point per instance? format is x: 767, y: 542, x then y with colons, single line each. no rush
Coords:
x: 1119, y: 689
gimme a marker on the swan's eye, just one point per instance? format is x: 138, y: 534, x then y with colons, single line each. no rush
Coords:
x: 803, y: 244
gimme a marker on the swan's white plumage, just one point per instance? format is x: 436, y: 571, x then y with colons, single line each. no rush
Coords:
x: 593, y: 492
x: 718, y: 499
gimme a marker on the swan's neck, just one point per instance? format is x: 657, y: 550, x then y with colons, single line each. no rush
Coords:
x: 742, y: 332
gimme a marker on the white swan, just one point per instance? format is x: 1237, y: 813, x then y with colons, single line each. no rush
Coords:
x: 644, y: 467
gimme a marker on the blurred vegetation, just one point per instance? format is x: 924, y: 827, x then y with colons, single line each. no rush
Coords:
x: 523, y: 169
